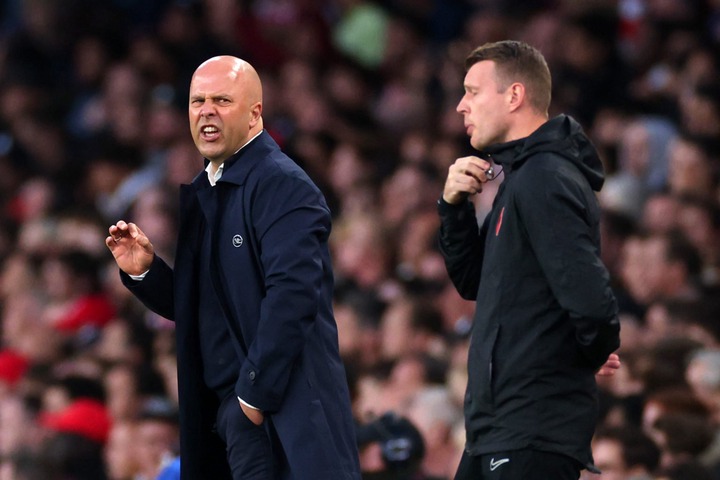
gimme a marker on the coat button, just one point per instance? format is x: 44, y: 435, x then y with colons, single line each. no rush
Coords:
x: 251, y: 376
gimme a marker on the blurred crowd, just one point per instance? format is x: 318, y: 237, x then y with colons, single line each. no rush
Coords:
x: 93, y: 128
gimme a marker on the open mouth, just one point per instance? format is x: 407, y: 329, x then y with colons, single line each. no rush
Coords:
x: 209, y: 132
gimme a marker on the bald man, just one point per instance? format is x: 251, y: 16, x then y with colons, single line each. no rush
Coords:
x: 263, y: 392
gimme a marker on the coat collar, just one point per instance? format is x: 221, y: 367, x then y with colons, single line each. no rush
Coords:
x: 237, y: 167
x: 562, y: 136
x: 516, y: 151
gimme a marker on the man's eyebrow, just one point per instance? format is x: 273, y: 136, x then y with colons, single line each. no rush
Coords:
x: 200, y: 96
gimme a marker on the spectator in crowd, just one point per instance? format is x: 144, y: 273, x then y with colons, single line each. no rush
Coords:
x: 661, y: 266
x: 171, y: 471
x: 391, y: 448
x: 700, y: 107
x: 76, y: 301
x: 693, y: 320
x: 434, y: 412
x: 699, y: 220
x: 358, y: 313
x: 624, y: 453
x: 681, y: 438
x: 119, y: 452
x: 643, y: 165
x: 692, y: 167
x: 363, y: 254
x: 691, y: 469
x: 156, y: 436
x: 411, y: 325
x: 20, y: 435
x: 660, y: 212
x: 703, y: 376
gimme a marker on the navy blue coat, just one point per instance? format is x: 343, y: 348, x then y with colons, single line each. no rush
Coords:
x: 271, y: 270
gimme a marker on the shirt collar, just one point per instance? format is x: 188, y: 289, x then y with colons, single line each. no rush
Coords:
x: 213, y: 179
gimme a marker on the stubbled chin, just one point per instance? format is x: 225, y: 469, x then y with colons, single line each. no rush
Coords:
x: 208, y: 151
x: 208, y: 142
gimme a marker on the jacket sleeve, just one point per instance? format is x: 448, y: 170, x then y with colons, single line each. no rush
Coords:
x: 462, y: 246
x: 292, y: 225
x: 155, y: 291
x: 561, y: 215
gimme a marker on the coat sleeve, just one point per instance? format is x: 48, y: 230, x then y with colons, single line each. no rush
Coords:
x: 292, y: 225
x: 561, y: 216
x: 155, y: 291
x: 462, y: 246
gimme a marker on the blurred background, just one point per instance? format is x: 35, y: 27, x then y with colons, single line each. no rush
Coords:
x: 362, y: 94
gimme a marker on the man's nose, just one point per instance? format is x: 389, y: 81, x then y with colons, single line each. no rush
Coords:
x: 207, y: 110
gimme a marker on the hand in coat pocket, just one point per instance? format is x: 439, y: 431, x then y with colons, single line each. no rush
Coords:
x: 253, y: 414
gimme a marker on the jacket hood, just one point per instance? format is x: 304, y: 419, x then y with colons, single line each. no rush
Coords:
x: 561, y: 135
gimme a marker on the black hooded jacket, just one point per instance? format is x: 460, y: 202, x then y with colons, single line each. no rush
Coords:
x: 546, y: 317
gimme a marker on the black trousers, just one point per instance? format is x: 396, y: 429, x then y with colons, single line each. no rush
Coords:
x: 518, y: 465
x: 249, y: 446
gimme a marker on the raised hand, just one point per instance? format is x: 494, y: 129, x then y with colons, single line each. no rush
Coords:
x: 131, y: 248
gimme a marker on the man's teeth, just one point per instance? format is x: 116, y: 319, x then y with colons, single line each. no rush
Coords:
x: 209, y: 129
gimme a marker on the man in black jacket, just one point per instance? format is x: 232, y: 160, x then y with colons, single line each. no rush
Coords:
x: 546, y: 317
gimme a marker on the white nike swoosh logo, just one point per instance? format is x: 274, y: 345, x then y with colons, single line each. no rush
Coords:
x: 494, y: 464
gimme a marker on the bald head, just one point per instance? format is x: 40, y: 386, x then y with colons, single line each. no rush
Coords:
x: 225, y: 106
x: 237, y: 70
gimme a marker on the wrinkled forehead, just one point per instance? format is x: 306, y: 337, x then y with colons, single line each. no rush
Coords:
x: 214, y: 83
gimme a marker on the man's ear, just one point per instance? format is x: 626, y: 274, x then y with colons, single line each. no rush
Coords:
x: 255, y: 114
x: 516, y: 96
